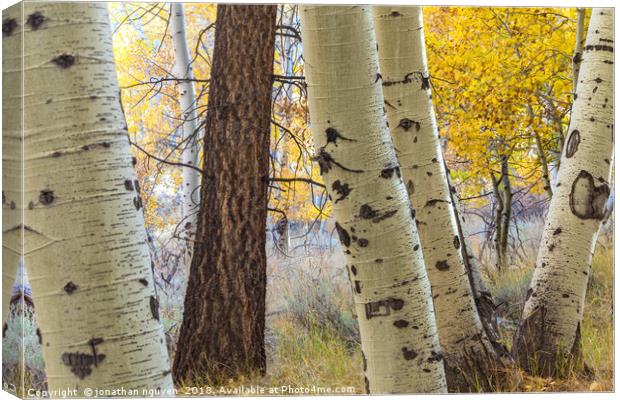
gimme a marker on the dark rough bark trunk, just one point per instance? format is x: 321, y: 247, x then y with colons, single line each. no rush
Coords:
x: 222, y: 334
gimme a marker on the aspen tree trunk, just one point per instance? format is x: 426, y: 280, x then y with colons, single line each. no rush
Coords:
x: 577, y: 58
x: 12, y: 173
x: 183, y: 70
x: 503, y: 211
x: 578, y: 52
x: 471, y: 361
x: 549, y: 332
x: 12, y: 157
x: 84, y: 240
x: 374, y: 218
x: 223, y: 328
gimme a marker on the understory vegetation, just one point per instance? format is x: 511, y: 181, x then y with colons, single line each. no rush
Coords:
x: 312, y: 338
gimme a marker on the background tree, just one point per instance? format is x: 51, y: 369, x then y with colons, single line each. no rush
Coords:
x: 374, y: 219
x: 549, y: 333
x: 224, y: 319
x: 183, y: 70
x: 472, y: 360
x: 507, y: 73
x: 85, y: 245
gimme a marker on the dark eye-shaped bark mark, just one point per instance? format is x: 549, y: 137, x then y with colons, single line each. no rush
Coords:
x: 407, y: 124
x: 390, y: 172
x: 382, y: 308
x: 435, y: 356
x: 128, y: 185
x: 442, y: 265
x: 137, y: 185
x: 143, y: 281
x: 409, y: 354
x: 70, y: 287
x: 362, y: 242
x: 137, y: 202
x: 358, y: 287
x: 343, y: 235
x: 8, y: 26
x: 64, y: 61
x: 35, y: 20
x: 134, y: 161
x: 557, y: 231
x: 333, y: 135
x: 456, y: 242
x: 39, y: 337
x: 426, y: 82
x: 572, y: 145
x: 80, y: 363
x: 154, y: 303
x: 367, y: 212
x: 587, y: 201
x: 410, y: 187
x: 599, y: 47
x: 342, y: 189
x: 401, y: 323
x: 325, y: 161
x: 366, y: 385
x: 46, y: 197
x: 406, y: 79
x: 434, y: 202
x: 353, y: 270
x: 5, y: 328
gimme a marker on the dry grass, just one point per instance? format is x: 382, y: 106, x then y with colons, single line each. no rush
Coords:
x: 312, y: 338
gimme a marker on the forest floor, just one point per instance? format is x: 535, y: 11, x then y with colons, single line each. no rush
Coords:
x: 313, y: 341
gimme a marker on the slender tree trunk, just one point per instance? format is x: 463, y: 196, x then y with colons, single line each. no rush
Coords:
x: 224, y: 320
x: 502, y: 191
x: 183, y: 70
x: 549, y: 332
x: 577, y: 58
x: 506, y: 211
x: 84, y: 239
x: 471, y: 361
x: 374, y: 219
x: 498, y: 219
x: 579, y: 40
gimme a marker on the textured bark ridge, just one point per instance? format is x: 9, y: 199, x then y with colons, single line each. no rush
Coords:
x: 548, y: 336
x: 187, y: 101
x: 84, y: 241
x: 224, y: 320
x: 374, y: 219
x: 471, y: 360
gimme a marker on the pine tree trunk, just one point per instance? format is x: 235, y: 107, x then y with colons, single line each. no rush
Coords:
x: 224, y: 320
x: 471, y: 361
x: 84, y: 239
x: 183, y: 70
x: 374, y: 219
x: 549, y: 332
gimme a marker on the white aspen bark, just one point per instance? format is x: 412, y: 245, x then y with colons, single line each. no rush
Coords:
x: 470, y: 358
x: 187, y: 101
x: 373, y: 215
x: 577, y: 58
x: 548, y: 335
x: 84, y: 240
x: 12, y: 166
